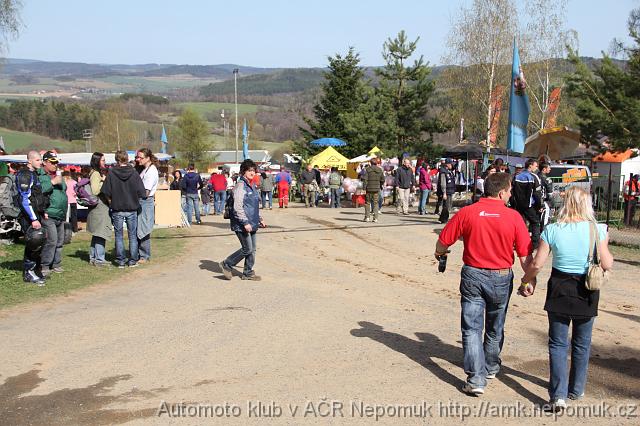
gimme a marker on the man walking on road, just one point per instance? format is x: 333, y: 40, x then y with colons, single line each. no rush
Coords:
x: 219, y: 183
x: 527, y: 198
x: 446, y: 189
x: 192, y: 183
x: 490, y: 232
x: 405, y: 180
x: 630, y: 195
x: 283, y: 181
x: 309, y: 184
x: 373, y: 181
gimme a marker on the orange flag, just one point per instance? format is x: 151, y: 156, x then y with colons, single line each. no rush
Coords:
x: 552, y: 109
x: 496, y: 106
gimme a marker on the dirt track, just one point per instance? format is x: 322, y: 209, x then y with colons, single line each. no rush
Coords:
x: 348, y: 312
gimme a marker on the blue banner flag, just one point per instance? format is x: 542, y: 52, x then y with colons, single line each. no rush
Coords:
x: 163, y: 139
x: 245, y: 142
x: 518, y: 106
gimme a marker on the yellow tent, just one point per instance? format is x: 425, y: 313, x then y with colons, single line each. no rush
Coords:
x: 375, y: 150
x: 329, y: 158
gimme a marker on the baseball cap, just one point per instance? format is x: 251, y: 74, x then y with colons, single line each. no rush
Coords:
x: 448, y: 161
x: 51, y: 157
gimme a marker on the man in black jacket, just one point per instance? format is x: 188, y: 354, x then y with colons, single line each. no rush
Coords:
x: 526, y: 198
x: 446, y: 189
x: 405, y: 180
x: 123, y: 189
x: 547, y: 190
x: 309, y: 184
x: 191, y: 184
x: 33, y: 203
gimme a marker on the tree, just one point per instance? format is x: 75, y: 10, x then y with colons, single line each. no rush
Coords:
x: 545, y: 42
x: 480, y: 44
x: 608, y: 98
x: 10, y: 22
x: 409, y: 90
x: 342, y: 93
x: 114, y: 130
x: 192, y: 140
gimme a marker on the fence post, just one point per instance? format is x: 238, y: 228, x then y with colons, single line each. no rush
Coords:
x: 609, y: 196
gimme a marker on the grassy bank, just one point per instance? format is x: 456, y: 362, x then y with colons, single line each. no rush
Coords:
x: 75, y: 260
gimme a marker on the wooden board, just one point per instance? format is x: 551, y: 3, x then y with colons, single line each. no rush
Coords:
x: 168, y: 208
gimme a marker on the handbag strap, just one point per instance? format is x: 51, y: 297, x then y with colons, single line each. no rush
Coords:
x: 593, y: 241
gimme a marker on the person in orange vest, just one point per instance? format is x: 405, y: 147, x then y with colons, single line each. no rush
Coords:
x: 630, y: 195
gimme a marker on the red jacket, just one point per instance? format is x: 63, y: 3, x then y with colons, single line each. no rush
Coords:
x: 219, y: 182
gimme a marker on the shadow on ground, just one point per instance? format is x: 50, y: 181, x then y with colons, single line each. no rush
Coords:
x: 214, y: 266
x: 429, y: 347
x: 69, y: 406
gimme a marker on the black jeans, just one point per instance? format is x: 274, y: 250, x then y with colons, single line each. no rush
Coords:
x: 73, y: 216
x: 532, y: 217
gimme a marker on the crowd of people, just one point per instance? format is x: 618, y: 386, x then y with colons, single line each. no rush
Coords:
x: 121, y: 195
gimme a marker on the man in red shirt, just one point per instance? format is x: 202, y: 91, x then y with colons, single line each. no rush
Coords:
x: 490, y: 231
x: 219, y: 184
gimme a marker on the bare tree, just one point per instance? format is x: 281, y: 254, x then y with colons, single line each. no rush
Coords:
x: 544, y: 44
x: 10, y: 22
x: 480, y: 43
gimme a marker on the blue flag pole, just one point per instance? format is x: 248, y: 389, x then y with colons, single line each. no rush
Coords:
x: 518, y: 106
x: 163, y: 139
x: 245, y: 141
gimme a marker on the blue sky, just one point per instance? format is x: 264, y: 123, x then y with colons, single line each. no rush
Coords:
x: 263, y: 33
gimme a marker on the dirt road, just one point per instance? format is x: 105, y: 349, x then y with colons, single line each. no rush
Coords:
x: 350, y: 316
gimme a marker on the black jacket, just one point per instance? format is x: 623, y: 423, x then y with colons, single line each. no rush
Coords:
x: 546, y: 186
x: 307, y: 176
x: 405, y: 177
x: 446, y: 182
x: 124, y: 188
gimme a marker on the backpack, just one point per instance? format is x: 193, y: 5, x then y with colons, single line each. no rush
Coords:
x: 334, y: 179
x: 9, y: 197
x: 228, y: 206
x: 84, y: 195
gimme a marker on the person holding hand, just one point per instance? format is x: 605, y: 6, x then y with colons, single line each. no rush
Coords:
x: 569, y: 304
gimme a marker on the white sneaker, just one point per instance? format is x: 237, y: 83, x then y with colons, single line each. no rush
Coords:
x: 558, y: 404
x: 491, y: 376
x: 366, y: 219
x: 470, y: 390
x: 375, y: 220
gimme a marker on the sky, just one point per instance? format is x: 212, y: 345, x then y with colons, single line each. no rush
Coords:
x: 263, y: 33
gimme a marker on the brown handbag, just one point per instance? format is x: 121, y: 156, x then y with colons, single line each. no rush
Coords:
x: 596, y: 276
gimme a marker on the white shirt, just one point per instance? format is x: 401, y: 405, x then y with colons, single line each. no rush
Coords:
x: 149, y: 178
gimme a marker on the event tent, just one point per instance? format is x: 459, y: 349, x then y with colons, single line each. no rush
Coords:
x: 329, y: 158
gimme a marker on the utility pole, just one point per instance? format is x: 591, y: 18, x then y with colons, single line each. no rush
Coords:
x: 235, y: 91
x: 87, y: 134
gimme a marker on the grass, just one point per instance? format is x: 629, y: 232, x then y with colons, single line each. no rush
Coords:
x: 20, y: 141
x: 204, y: 108
x: 78, y: 273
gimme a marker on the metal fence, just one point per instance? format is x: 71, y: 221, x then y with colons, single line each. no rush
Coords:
x: 609, y: 205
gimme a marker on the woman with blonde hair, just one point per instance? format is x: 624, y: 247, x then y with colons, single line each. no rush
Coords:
x: 568, y: 302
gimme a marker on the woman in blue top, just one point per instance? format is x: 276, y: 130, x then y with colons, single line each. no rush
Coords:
x: 568, y: 301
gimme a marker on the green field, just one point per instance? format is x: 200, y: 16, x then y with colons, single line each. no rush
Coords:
x: 22, y: 141
x: 208, y: 107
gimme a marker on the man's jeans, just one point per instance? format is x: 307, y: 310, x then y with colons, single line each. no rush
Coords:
x: 247, y: 252
x: 193, y: 205
x: 563, y: 383
x: 424, y: 199
x: 309, y: 196
x: 334, y: 200
x: 266, y: 195
x: 403, y: 199
x: 52, y: 250
x: 118, y: 219
x: 484, y: 296
x: 219, y: 199
x: 97, y: 249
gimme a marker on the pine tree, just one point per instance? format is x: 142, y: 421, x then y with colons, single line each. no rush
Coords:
x: 409, y: 90
x: 608, y: 99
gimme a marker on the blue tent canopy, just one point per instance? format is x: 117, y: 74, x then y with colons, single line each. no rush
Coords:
x: 328, y: 142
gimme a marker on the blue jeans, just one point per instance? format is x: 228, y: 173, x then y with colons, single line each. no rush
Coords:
x: 247, y: 251
x: 484, y: 297
x: 206, y: 208
x: 219, y: 199
x: 51, y: 256
x: 97, y: 249
x: 193, y: 205
x: 424, y: 197
x: 266, y: 195
x: 334, y: 200
x: 573, y: 382
x: 118, y: 219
